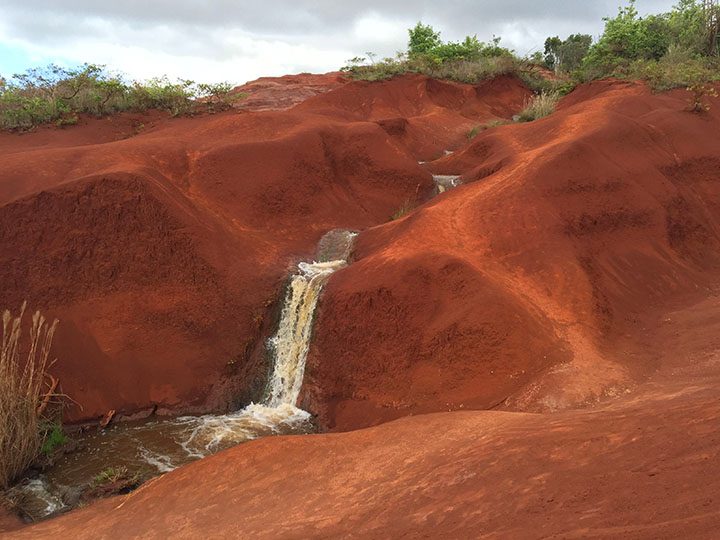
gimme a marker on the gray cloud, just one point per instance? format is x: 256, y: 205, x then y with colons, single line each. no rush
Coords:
x: 310, y: 34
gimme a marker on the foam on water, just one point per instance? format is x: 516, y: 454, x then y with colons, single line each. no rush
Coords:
x: 38, y: 497
x: 445, y: 182
x: 161, y: 462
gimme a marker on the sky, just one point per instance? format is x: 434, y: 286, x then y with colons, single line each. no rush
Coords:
x: 238, y: 41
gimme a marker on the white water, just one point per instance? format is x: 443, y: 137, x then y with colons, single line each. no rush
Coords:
x: 446, y: 182
x: 47, y: 502
x: 292, y: 341
x: 290, y: 345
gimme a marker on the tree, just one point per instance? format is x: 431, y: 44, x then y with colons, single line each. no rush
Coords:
x: 630, y: 37
x: 423, y: 39
x: 566, y: 56
x: 426, y: 42
x: 711, y: 17
x: 687, y: 26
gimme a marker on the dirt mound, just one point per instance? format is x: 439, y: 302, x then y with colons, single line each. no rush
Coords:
x: 281, y: 93
x: 424, y: 116
x: 522, y: 288
x: 164, y: 253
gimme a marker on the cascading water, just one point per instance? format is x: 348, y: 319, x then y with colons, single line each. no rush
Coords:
x: 289, y: 347
x: 446, y: 182
x: 160, y: 446
x: 292, y: 341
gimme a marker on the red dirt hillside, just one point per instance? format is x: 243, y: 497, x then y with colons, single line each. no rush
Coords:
x: 282, y: 93
x: 642, y: 467
x: 522, y: 289
x: 163, y: 250
x: 579, y: 262
x: 424, y: 116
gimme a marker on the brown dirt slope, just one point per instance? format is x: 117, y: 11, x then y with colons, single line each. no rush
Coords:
x: 522, y: 289
x: 163, y: 247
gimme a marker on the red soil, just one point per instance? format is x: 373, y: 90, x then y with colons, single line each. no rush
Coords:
x: 522, y: 289
x: 281, y: 93
x: 425, y: 116
x: 643, y: 467
x: 578, y: 263
x: 164, y: 253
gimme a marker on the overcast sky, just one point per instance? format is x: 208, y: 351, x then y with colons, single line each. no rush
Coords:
x: 237, y: 41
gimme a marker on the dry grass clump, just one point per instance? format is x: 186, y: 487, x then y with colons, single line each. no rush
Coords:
x: 539, y: 106
x: 405, y: 208
x: 25, y: 392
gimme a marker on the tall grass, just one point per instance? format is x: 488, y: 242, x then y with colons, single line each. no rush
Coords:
x: 539, y: 106
x: 25, y: 391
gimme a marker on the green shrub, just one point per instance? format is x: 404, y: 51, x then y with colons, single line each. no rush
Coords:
x: 466, y: 71
x: 667, y: 73
x: 629, y: 37
x: 54, y: 438
x: 57, y: 94
x: 218, y: 97
x: 468, y: 61
x: 667, y: 49
x: 425, y: 42
x: 423, y: 39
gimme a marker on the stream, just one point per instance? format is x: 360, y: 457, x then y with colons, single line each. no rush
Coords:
x: 157, y: 446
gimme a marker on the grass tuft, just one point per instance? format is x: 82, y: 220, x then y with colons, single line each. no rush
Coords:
x: 404, y: 209
x: 25, y: 392
x: 539, y: 106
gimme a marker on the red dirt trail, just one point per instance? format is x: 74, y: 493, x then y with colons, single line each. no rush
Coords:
x: 569, y: 287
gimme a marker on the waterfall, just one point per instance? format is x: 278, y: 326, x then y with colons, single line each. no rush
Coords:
x: 278, y: 413
x: 292, y: 340
x: 162, y: 446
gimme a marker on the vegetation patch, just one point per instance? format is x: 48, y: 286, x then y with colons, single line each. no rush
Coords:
x: 54, y: 438
x: 55, y: 94
x: 407, y: 206
x: 539, y: 106
x: 677, y: 49
x: 112, y: 481
x: 468, y: 61
x: 474, y: 132
x: 26, y: 393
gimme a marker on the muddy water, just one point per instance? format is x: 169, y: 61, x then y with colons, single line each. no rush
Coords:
x: 150, y: 448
